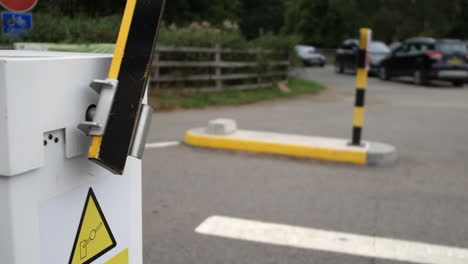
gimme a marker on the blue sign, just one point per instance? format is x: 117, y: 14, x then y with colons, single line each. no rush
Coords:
x: 16, y: 26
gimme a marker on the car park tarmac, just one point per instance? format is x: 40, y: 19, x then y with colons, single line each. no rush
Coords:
x: 422, y: 202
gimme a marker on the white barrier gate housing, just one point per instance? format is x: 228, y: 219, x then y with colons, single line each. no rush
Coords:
x: 56, y: 207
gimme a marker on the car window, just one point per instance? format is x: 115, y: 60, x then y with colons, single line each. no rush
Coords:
x: 451, y: 48
x: 414, y: 47
x: 402, y: 49
x: 348, y: 46
x: 426, y: 47
x: 420, y: 47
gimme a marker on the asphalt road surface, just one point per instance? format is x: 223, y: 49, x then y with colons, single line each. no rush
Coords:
x: 419, y: 206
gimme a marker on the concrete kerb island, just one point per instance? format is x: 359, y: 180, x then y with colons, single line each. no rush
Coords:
x: 223, y: 134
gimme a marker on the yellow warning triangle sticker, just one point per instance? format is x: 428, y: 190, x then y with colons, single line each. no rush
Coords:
x: 94, y: 237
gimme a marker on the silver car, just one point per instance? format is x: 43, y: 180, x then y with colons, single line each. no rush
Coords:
x: 310, y: 56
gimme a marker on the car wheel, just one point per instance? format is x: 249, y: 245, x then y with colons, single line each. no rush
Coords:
x: 339, y: 68
x: 383, y: 73
x: 420, y: 78
x: 458, y: 83
x: 322, y: 64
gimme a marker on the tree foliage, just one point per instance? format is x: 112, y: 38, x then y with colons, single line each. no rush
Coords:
x: 261, y: 16
x: 327, y: 22
x: 183, y: 12
x: 322, y: 23
x: 75, y: 7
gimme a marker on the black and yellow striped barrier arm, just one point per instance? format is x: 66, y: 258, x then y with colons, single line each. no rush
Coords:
x: 130, y: 68
x: 361, y: 84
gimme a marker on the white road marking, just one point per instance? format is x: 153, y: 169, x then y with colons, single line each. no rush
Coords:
x: 162, y: 144
x: 337, y: 242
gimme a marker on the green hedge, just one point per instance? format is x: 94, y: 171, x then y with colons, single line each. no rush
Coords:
x: 56, y: 28
x: 80, y: 29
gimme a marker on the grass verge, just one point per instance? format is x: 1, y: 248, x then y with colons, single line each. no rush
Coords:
x: 235, y: 97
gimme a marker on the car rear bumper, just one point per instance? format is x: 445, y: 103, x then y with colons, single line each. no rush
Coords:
x: 374, y: 69
x: 315, y: 61
x: 452, y: 75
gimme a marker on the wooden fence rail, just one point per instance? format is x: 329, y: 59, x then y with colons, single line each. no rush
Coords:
x: 217, y: 73
x: 217, y: 64
x: 6, y: 47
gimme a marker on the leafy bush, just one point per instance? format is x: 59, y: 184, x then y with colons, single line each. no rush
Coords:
x: 203, y: 35
x: 48, y: 28
x: 277, y: 42
x: 79, y: 29
x: 56, y: 28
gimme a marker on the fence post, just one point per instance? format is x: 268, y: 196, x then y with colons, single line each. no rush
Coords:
x: 361, y: 84
x: 218, y: 72
x: 286, y: 77
x: 258, y: 54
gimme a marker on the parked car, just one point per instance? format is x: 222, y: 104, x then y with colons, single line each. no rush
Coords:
x: 346, y: 56
x: 428, y: 59
x: 310, y: 56
x: 394, y: 45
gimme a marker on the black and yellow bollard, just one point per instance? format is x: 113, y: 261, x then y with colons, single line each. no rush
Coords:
x: 361, y: 84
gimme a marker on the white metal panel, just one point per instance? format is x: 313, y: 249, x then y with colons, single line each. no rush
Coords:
x: 4, y: 146
x: 44, y: 91
x: 44, y: 94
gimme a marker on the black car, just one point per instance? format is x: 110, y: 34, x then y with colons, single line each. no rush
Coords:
x: 346, y: 56
x: 427, y: 59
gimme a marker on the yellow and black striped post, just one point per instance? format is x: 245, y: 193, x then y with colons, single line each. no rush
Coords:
x: 361, y: 84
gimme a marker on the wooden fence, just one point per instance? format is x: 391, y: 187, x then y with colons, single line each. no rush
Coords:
x: 217, y: 67
x: 215, y: 72
x: 6, y: 47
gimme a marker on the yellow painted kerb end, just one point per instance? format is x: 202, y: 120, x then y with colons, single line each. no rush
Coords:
x: 319, y: 153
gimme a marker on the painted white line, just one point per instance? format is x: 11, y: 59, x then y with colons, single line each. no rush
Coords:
x: 162, y: 144
x: 337, y: 242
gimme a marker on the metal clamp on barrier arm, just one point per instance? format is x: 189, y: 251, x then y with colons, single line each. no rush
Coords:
x: 137, y: 147
x: 97, y: 116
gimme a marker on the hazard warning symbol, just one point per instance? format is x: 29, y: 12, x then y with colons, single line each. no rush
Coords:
x: 94, y: 237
